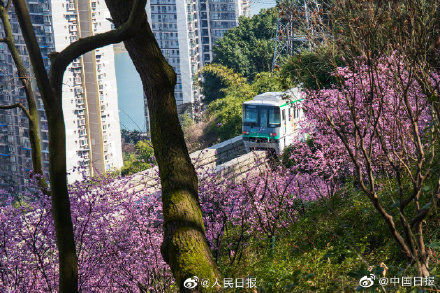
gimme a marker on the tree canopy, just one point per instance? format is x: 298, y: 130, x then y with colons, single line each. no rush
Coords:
x: 248, y: 48
x: 227, y: 110
x: 312, y: 69
x: 142, y: 159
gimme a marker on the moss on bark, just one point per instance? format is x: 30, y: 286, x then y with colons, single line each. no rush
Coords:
x: 185, y: 247
x: 31, y: 113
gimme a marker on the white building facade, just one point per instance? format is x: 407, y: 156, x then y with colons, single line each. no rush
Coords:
x: 15, y: 148
x: 176, y: 27
x: 90, y: 100
x: 216, y: 18
x: 90, y: 103
x: 186, y: 31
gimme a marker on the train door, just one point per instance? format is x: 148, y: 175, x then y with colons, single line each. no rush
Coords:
x: 290, y: 126
x: 284, y: 127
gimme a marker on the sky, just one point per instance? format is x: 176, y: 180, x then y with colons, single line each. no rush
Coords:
x: 130, y: 94
x: 257, y: 5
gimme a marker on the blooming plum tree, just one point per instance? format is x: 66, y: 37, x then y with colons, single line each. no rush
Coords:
x: 378, y: 123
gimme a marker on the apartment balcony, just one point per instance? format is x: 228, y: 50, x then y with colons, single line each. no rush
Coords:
x: 72, y: 19
x: 82, y: 152
x: 70, y: 7
x: 84, y: 147
x: 73, y: 29
x: 80, y: 107
x: 84, y: 155
x: 84, y: 163
x: 78, y: 91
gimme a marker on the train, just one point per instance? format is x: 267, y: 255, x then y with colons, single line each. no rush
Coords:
x: 270, y: 120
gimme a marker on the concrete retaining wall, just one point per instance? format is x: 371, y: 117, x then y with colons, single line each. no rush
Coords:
x: 228, y: 160
x: 250, y: 164
x: 219, y: 153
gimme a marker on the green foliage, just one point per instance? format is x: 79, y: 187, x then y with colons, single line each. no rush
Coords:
x: 131, y: 136
x: 248, y: 48
x: 142, y: 159
x: 227, y: 111
x: 334, y: 242
x: 212, y: 86
x: 312, y: 69
x: 232, y: 80
x: 269, y: 82
x: 186, y: 121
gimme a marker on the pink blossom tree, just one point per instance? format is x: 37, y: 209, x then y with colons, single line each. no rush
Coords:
x: 378, y: 124
x: 118, y: 232
x: 381, y: 117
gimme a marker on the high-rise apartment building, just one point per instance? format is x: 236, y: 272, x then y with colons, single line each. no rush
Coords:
x: 90, y: 103
x: 186, y: 31
x: 216, y: 18
x: 176, y: 28
x: 90, y: 100
x: 15, y: 148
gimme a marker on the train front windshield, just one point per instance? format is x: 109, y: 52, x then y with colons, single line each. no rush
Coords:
x: 263, y: 116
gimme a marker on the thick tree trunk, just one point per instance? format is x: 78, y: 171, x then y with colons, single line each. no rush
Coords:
x: 185, y: 247
x: 68, y: 263
x: 68, y: 268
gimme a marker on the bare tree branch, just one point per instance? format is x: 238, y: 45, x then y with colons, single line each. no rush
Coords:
x: 127, y: 30
x: 424, y: 212
x: 31, y: 110
x: 16, y: 105
x: 8, y: 4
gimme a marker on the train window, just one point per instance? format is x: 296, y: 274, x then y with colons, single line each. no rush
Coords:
x: 250, y: 115
x: 263, y: 117
x: 284, y: 115
x: 274, y: 117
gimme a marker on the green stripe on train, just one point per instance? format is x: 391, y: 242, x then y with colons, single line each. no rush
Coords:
x: 293, y: 102
x: 261, y: 135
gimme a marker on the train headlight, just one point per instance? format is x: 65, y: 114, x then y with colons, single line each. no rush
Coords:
x: 273, y: 134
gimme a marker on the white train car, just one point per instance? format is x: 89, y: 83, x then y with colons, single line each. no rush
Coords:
x: 270, y: 120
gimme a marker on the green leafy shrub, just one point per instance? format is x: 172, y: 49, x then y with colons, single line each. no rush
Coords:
x: 334, y: 242
x: 141, y: 160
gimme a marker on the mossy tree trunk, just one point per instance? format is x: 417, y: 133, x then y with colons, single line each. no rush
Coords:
x: 184, y: 247
x: 68, y: 263
x: 31, y: 110
x: 50, y: 87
